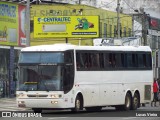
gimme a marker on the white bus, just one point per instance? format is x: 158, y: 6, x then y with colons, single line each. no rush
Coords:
x: 64, y: 76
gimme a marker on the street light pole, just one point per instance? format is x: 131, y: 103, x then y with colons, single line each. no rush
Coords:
x: 28, y: 23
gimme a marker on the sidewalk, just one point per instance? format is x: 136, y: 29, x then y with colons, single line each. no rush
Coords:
x: 9, y: 104
x: 8, y: 100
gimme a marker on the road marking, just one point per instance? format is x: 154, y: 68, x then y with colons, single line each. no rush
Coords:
x: 127, y: 118
x: 57, y: 118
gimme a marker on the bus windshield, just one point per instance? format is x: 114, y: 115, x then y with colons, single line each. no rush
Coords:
x: 40, y: 78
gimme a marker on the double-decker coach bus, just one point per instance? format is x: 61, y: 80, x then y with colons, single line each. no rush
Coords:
x: 64, y: 76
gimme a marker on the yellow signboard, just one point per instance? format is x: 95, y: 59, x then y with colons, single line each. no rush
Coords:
x: 66, y: 26
x: 8, y: 24
x: 12, y: 24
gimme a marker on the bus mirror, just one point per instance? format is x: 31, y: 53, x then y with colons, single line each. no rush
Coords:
x: 14, y: 76
x: 15, y: 66
x: 1, y: 89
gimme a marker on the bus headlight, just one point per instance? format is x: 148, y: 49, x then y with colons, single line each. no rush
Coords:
x: 20, y: 95
x: 56, y: 96
x: 21, y: 102
x: 54, y: 102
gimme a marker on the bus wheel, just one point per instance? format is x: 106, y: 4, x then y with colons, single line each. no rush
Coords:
x: 37, y: 110
x: 127, y: 105
x: 135, y: 102
x: 78, y: 105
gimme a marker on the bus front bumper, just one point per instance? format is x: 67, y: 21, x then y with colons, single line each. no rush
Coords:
x: 41, y: 103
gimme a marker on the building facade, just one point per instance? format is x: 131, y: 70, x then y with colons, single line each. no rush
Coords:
x: 13, y: 33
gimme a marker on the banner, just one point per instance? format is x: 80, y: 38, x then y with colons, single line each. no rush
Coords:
x: 154, y: 23
x: 8, y: 24
x: 22, y: 25
x: 66, y: 26
x: 12, y: 24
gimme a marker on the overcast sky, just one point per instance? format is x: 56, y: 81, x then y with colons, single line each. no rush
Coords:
x: 131, y: 4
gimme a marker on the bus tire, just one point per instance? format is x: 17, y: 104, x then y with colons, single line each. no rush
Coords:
x: 78, y: 104
x: 37, y: 110
x: 127, y: 105
x: 135, y: 102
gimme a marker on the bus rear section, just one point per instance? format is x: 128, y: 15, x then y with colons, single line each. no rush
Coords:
x: 116, y: 76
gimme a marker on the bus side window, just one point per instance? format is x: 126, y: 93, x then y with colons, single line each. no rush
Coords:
x: 95, y: 60
x: 118, y: 60
x: 134, y: 60
x: 144, y: 60
x: 114, y: 60
x: 122, y: 60
x: 140, y: 61
x: 107, y: 61
x: 111, y: 61
x: 129, y: 60
x: 80, y: 60
x: 101, y: 60
x: 87, y: 61
x: 148, y: 60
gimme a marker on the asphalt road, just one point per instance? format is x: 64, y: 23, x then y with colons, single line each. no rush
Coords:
x: 108, y: 113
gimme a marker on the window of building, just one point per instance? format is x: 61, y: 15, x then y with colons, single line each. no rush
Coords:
x: 105, y: 30
x: 125, y: 33
x: 100, y: 29
x: 110, y: 30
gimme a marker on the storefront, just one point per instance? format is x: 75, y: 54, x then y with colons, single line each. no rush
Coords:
x: 8, y: 61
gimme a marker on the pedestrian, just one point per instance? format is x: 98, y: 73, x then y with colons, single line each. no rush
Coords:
x: 155, y: 92
x: 158, y: 81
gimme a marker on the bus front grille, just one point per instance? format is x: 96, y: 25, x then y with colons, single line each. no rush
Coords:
x: 37, y: 95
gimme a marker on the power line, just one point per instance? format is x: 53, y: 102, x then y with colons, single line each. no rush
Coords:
x: 129, y: 5
x: 107, y: 4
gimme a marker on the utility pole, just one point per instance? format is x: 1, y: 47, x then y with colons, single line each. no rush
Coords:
x: 28, y: 23
x: 144, y: 28
x: 79, y: 2
x: 118, y: 19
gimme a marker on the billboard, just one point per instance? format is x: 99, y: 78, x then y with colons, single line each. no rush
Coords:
x: 22, y: 25
x: 154, y: 23
x: 66, y: 26
x: 10, y: 21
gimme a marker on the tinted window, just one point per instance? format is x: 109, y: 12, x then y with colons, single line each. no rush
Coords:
x: 140, y: 61
x: 90, y: 60
x: 41, y: 57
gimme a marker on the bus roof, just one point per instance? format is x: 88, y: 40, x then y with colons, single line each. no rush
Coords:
x: 64, y: 47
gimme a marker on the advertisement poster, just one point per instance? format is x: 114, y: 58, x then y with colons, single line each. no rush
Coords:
x: 66, y: 26
x: 8, y: 24
x: 12, y: 24
x: 22, y: 23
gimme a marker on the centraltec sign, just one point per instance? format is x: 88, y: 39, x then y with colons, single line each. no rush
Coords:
x: 66, y: 26
x: 55, y: 19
